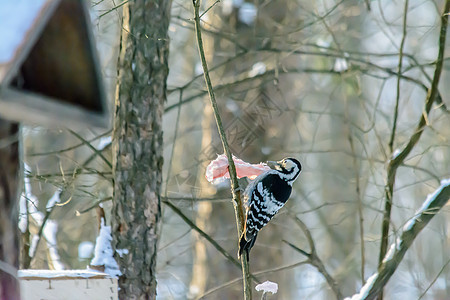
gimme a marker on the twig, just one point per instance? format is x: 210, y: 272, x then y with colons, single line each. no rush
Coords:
x: 237, y: 203
x: 396, y: 161
x: 112, y: 9
x: 400, y: 64
x: 192, y: 199
x: 41, y: 231
x: 412, y: 228
x: 269, y: 73
x: 434, y: 280
x: 98, y: 152
x: 95, y: 205
x: 206, y: 236
x: 263, y: 272
x: 358, y: 198
x: 177, y: 122
x: 69, y: 148
x: 314, y: 259
x: 206, y: 11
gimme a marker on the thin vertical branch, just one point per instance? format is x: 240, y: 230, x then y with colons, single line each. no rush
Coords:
x: 238, y: 206
x: 356, y: 167
x: 360, y: 207
x: 26, y: 243
x: 396, y: 161
x: 399, y: 77
x: 175, y: 134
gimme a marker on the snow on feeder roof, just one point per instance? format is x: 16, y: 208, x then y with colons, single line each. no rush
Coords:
x: 49, y: 71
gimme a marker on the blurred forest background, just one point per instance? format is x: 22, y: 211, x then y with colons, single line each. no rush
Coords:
x: 315, y: 80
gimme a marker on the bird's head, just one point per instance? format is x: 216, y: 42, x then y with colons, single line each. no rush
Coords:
x: 289, y: 168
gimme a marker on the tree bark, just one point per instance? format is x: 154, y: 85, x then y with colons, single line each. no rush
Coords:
x: 9, y: 235
x: 138, y: 143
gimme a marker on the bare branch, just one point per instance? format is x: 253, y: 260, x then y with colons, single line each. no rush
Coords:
x: 358, y: 197
x: 314, y: 259
x: 238, y: 206
x: 206, y: 236
x: 98, y: 152
x: 434, y: 280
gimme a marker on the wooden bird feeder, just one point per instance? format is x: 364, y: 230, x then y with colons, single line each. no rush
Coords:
x: 49, y: 71
x: 49, y: 76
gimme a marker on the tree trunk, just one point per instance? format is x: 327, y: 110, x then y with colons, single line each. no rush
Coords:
x: 9, y: 236
x: 138, y: 143
x: 200, y: 263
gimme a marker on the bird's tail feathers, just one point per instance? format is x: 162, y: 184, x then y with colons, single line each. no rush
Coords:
x: 246, y: 243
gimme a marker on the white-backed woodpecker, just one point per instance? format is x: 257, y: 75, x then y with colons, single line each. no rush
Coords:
x: 265, y: 196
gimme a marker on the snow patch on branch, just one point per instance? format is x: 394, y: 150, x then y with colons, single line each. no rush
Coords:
x: 29, y: 204
x: 53, y: 200
x: 396, y: 153
x: 425, y: 206
x: 365, y: 289
x: 340, y: 65
x: 258, y: 68
x: 104, y: 142
x: 104, y: 253
x: 122, y: 252
x: 33, y: 245
x: 247, y: 13
x: 390, y: 254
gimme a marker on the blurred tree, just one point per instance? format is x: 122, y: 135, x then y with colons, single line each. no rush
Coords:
x: 138, y: 143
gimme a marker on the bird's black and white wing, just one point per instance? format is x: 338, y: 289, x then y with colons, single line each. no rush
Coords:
x: 263, y: 198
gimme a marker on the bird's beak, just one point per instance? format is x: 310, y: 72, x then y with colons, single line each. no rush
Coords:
x: 273, y: 164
